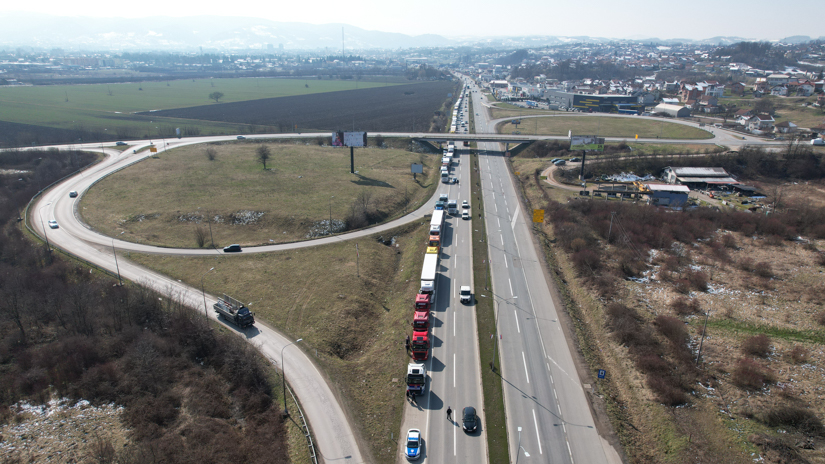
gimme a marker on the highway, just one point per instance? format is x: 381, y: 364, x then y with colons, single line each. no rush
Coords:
x: 543, y: 394
x: 453, y: 367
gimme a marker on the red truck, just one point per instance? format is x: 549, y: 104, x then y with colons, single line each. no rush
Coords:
x: 420, y: 345
x: 423, y: 301
x: 421, y: 321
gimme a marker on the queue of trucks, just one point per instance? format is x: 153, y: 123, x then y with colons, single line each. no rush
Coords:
x: 419, y: 342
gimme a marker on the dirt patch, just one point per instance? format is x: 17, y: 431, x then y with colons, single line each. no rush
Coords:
x: 61, y: 431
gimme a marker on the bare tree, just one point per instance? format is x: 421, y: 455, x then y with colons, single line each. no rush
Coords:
x: 216, y: 96
x: 200, y: 236
x: 211, y: 153
x: 263, y: 155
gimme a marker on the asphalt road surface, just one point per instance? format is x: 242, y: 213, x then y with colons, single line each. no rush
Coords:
x: 453, y: 367
x: 543, y: 394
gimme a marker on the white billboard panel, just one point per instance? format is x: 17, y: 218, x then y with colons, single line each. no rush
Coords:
x: 355, y: 139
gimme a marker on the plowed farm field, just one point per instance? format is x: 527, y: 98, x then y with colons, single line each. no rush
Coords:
x: 394, y: 108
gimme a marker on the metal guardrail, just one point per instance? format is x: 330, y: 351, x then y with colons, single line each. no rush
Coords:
x: 307, y: 433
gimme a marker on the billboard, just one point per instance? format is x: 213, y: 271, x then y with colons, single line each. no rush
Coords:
x: 416, y: 168
x: 349, y: 139
x: 586, y: 142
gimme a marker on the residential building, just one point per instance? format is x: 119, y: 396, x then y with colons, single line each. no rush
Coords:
x: 786, y: 127
x: 761, y: 122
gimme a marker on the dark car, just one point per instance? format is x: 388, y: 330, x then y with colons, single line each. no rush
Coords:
x: 469, y: 419
x: 121, y: 144
x: 72, y: 194
x: 241, y: 137
x: 234, y: 248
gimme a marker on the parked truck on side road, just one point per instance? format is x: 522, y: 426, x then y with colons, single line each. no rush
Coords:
x: 420, y: 345
x: 428, y: 273
x: 234, y: 311
x: 416, y: 378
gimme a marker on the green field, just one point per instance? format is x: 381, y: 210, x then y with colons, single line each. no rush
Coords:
x: 109, y: 108
x: 604, y: 126
x: 165, y: 200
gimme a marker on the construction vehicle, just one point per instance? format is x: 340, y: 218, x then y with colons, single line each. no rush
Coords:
x: 416, y: 378
x: 234, y: 311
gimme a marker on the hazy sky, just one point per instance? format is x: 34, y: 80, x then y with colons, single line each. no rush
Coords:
x: 696, y: 19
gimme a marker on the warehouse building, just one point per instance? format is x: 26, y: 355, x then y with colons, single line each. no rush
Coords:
x: 698, y: 178
x: 593, y: 103
x: 674, y: 196
x: 675, y: 111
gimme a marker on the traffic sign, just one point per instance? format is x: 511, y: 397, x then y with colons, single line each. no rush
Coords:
x: 153, y: 150
x: 602, y: 373
x: 538, y: 215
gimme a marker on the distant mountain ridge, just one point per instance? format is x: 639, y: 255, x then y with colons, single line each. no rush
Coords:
x: 219, y: 33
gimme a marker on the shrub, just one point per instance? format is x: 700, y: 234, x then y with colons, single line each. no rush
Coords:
x: 750, y: 375
x: 651, y: 363
x: 729, y: 241
x: 682, y: 286
x: 673, y: 329
x: 746, y: 264
x: 685, y: 307
x: 698, y: 280
x: 820, y: 259
x: 799, y: 354
x: 820, y: 318
x: 763, y: 269
x: 667, y: 393
x: 758, y: 345
x: 791, y: 416
x: 586, y: 261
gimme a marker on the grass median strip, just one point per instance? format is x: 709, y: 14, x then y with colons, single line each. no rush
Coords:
x: 496, y: 421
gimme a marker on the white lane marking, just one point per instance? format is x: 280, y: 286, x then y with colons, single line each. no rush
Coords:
x: 495, y: 206
x: 454, y: 313
x: 499, y: 222
x: 538, y: 436
x: 505, y: 263
x: 518, y: 328
x: 454, y: 441
x: 453, y: 370
x: 513, y: 222
x: 527, y: 374
x: 511, y: 286
x: 502, y: 239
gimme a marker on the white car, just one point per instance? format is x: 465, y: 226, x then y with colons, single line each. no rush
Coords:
x: 465, y: 294
x: 53, y: 224
x: 412, y: 450
x: 465, y: 215
x: 465, y: 205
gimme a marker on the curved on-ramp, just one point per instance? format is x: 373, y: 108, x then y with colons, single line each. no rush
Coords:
x: 335, y: 437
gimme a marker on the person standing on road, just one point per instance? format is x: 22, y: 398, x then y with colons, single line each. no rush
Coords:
x: 449, y: 414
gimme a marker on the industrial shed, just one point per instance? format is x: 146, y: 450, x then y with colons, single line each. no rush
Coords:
x: 673, y: 110
x: 666, y: 194
x: 698, y: 177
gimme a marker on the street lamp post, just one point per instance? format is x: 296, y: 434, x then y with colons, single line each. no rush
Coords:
x: 114, y: 252
x: 520, y: 449
x: 329, y: 226
x: 203, y: 292
x: 283, y: 372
